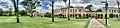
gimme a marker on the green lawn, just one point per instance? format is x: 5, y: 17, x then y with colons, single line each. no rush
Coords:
x: 40, y: 22
x: 112, y: 23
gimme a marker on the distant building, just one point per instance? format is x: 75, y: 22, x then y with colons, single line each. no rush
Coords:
x: 34, y: 13
x: 82, y: 12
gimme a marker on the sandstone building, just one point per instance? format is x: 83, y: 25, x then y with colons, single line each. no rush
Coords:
x: 82, y: 12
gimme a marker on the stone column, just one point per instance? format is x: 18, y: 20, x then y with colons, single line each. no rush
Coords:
x: 81, y: 15
x: 77, y: 15
x: 43, y: 15
x: 108, y: 15
x: 118, y: 15
x: 66, y: 15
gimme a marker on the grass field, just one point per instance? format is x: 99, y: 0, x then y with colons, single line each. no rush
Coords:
x: 112, y: 23
x: 39, y: 22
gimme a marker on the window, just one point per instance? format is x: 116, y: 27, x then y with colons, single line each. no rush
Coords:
x: 114, y: 10
x: 73, y: 10
x: 76, y: 10
x: 63, y: 11
x: 79, y: 10
x: 119, y: 11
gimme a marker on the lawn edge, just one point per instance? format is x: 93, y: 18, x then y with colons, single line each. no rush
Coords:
x: 103, y: 24
x: 87, y: 24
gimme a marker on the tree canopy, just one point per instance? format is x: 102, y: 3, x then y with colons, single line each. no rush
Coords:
x: 89, y: 7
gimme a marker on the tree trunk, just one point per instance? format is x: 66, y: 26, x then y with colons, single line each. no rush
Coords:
x: 17, y: 17
x: 16, y: 11
x: 31, y: 15
x: 52, y: 10
x: 68, y: 10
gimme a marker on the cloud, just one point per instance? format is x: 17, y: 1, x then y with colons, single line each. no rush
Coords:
x: 78, y: 3
x: 46, y: 4
x: 86, y: 1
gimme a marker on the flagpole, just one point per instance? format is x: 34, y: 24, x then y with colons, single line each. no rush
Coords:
x: 118, y: 7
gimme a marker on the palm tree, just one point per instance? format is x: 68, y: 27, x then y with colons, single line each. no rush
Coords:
x: 65, y: 2
x: 52, y: 10
x: 68, y: 7
x: 16, y: 10
x: 89, y: 7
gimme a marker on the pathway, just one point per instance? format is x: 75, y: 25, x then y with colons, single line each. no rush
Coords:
x: 95, y: 24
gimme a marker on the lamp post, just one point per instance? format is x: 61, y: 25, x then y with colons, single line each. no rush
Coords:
x: 118, y: 6
x: 106, y: 13
x: 68, y: 7
x: 52, y: 10
x: 106, y: 7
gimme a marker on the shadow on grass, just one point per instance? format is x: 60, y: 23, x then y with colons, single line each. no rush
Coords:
x: 11, y: 23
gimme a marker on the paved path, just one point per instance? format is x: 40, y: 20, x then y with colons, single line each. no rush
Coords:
x: 95, y: 24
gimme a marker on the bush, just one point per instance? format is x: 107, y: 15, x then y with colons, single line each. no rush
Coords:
x: 48, y: 14
x: 23, y: 13
x: 111, y: 15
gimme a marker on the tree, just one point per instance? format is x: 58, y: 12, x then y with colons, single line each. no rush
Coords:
x: 53, y: 1
x: 99, y: 10
x: 111, y: 15
x: 47, y: 14
x: 61, y: 16
x: 67, y: 6
x: 31, y: 4
x: 16, y: 9
x: 1, y: 12
x: 5, y: 13
x: 23, y: 13
x: 89, y: 7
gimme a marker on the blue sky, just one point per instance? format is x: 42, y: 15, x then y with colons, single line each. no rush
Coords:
x: 46, y: 4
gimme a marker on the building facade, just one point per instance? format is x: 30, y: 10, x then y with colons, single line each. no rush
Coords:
x: 82, y: 12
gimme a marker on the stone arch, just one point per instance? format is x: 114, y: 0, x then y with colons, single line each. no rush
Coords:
x: 111, y: 15
x: 116, y: 16
x: 71, y: 15
x: 79, y: 15
x: 87, y: 15
x: 84, y: 16
x: 75, y: 15
x: 101, y: 15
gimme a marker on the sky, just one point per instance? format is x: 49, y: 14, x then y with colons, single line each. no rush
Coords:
x: 46, y: 4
